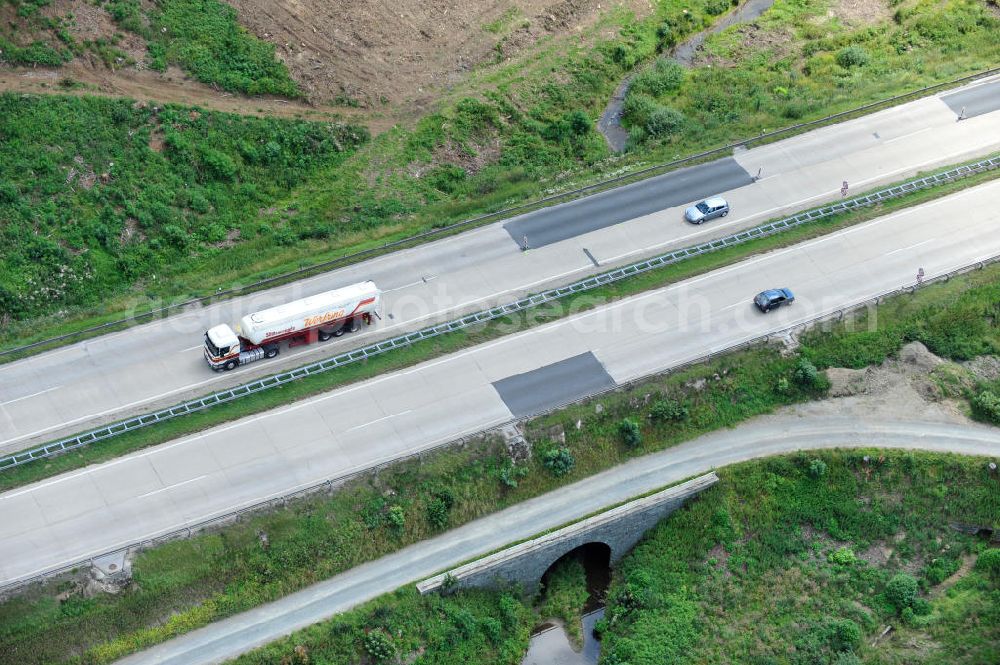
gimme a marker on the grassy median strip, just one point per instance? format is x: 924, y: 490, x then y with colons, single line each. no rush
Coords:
x: 183, y: 585
x: 421, y: 351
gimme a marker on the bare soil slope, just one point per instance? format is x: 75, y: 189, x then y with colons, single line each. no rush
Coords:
x: 377, y: 52
x: 390, y: 57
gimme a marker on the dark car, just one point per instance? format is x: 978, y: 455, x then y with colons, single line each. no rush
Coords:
x: 710, y: 208
x: 768, y: 300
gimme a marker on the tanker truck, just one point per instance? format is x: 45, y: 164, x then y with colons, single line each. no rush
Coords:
x: 319, y: 317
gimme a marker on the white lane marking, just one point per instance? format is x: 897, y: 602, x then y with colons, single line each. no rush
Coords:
x: 170, y: 487
x: 910, y: 135
x: 378, y: 420
x: 903, y: 249
x: 481, y: 348
x: 40, y: 392
x: 715, y: 227
x: 739, y: 304
x: 103, y: 413
x: 190, y: 348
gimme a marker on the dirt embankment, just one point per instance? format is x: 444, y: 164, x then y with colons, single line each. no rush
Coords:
x: 367, y: 61
x: 376, y: 53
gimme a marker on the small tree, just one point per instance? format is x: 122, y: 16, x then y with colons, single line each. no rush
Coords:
x: 901, y: 591
x: 630, y: 433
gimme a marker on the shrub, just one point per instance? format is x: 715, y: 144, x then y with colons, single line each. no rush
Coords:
x: 630, y: 433
x: 852, y: 56
x: 807, y: 376
x: 940, y: 569
x: 662, y: 77
x: 901, y: 591
x: 396, y: 517
x: 638, y: 107
x: 846, y: 658
x: 666, y: 35
x: 558, y: 461
x: 664, y: 121
x: 842, y: 556
x: 439, y: 508
x: 492, y: 628
x: 817, y: 468
x: 379, y: 646
x: 846, y: 634
x: 579, y: 122
x: 989, y: 562
x: 986, y: 406
x: 511, y: 473
x: 668, y: 410
x: 716, y: 7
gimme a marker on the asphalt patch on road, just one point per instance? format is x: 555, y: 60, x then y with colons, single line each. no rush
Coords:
x: 569, y: 220
x: 982, y: 99
x: 547, y: 387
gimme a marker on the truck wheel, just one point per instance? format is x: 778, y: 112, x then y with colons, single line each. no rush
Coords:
x: 339, y: 331
x: 270, y: 351
x: 231, y: 364
x: 323, y: 335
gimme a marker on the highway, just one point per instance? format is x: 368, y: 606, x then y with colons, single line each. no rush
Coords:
x: 770, y: 435
x: 70, y: 389
x: 102, y: 507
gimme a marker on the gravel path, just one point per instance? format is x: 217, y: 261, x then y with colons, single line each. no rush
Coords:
x: 787, y: 432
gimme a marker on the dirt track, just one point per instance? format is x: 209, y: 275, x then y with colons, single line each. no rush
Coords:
x: 172, y: 87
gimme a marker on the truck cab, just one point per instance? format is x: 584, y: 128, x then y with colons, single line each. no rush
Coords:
x: 222, y: 347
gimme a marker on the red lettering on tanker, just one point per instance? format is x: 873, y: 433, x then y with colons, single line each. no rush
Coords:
x: 275, y: 333
x: 320, y: 319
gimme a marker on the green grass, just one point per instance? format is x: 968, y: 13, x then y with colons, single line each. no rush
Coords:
x: 90, y: 209
x: 776, y: 565
x: 564, y: 598
x: 205, y: 38
x: 802, y: 60
x: 452, y: 342
x: 185, y: 584
x: 510, y: 133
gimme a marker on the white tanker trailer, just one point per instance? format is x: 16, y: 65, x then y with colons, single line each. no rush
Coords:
x: 321, y: 317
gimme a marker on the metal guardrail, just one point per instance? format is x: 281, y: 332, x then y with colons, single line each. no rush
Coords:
x: 528, y: 302
x: 348, y: 259
x: 330, y: 483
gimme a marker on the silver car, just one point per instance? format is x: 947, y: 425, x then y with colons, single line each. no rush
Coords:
x: 710, y: 208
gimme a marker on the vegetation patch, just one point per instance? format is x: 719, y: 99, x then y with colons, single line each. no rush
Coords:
x: 99, y: 195
x: 761, y: 568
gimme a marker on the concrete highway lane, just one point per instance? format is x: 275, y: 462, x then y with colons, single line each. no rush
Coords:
x: 80, y: 514
x: 158, y: 364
